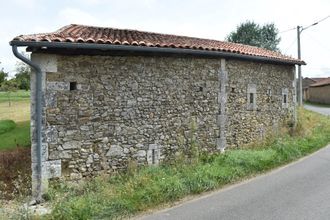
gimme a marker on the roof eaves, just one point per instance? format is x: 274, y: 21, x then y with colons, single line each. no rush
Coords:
x: 106, y: 47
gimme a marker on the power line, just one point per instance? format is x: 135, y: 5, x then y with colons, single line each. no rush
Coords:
x: 315, y: 23
x: 290, y: 45
x: 318, y: 43
x: 281, y: 32
x: 294, y: 28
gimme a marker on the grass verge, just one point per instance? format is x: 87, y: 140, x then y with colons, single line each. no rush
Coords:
x: 128, y: 194
x: 17, y: 136
x: 317, y: 104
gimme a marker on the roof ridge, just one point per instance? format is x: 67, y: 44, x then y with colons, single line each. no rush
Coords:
x: 174, y: 35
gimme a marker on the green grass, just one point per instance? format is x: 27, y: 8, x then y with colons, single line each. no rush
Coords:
x: 125, y: 195
x: 17, y: 136
x: 19, y: 95
x: 6, y: 126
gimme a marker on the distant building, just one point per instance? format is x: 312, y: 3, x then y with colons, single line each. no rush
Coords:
x: 319, y: 92
x: 306, y: 82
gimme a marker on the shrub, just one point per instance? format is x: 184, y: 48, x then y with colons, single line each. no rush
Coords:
x: 6, y: 125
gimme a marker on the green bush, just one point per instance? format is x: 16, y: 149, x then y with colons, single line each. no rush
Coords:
x: 6, y: 125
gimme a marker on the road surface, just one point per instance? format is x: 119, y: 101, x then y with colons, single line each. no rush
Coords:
x: 321, y: 110
x: 298, y: 191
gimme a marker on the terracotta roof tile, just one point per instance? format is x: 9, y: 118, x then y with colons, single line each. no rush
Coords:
x: 88, y: 34
x: 317, y: 79
x: 322, y: 82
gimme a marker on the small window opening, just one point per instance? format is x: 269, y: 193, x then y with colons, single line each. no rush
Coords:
x: 251, y: 98
x: 73, y: 86
x: 232, y: 89
x: 284, y: 99
x: 153, y: 156
x: 269, y: 92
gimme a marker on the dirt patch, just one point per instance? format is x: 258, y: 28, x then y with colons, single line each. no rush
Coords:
x: 15, y: 173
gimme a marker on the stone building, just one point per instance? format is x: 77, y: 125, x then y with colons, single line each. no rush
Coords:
x: 111, y: 96
x: 319, y: 92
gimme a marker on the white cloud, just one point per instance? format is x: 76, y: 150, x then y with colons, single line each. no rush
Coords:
x: 77, y: 16
x: 29, y: 4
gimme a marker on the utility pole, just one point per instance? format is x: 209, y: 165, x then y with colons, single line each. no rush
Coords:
x: 299, y: 30
x: 300, y: 94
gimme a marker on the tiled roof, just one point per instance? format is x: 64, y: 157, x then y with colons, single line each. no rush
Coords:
x: 317, y: 79
x: 323, y: 82
x: 99, y: 35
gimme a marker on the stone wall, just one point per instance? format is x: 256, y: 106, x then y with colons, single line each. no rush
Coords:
x: 129, y: 108
x: 319, y: 94
x: 251, y: 120
x: 103, y: 112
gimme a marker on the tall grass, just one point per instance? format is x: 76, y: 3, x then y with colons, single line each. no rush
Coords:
x: 124, y: 195
x: 15, y: 169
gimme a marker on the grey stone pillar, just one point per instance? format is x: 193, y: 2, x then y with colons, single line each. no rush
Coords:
x: 49, y: 169
x: 222, y: 101
x: 294, y: 96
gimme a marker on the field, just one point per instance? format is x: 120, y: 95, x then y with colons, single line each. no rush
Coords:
x: 15, y: 107
x: 15, y: 158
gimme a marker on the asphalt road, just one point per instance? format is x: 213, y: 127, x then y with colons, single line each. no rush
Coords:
x: 298, y: 191
x: 321, y: 110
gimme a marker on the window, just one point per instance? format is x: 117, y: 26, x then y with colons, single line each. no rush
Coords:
x: 73, y: 86
x: 285, y: 93
x: 153, y: 156
x: 251, y: 98
x: 269, y: 92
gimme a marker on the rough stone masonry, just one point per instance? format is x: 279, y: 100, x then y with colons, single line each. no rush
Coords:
x: 101, y: 112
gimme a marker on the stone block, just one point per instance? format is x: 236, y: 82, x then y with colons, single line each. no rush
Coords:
x: 44, y: 152
x: 47, y: 62
x: 221, y: 143
x: 71, y: 145
x: 115, y: 151
x: 58, y: 86
x: 221, y: 121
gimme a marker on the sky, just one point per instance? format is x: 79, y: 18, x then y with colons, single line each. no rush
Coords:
x: 213, y: 19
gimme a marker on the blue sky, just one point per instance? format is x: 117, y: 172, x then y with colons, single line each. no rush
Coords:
x: 204, y: 18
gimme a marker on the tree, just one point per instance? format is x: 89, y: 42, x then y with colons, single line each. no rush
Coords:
x: 9, y: 86
x: 3, y: 77
x: 250, y: 33
x: 22, y: 76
